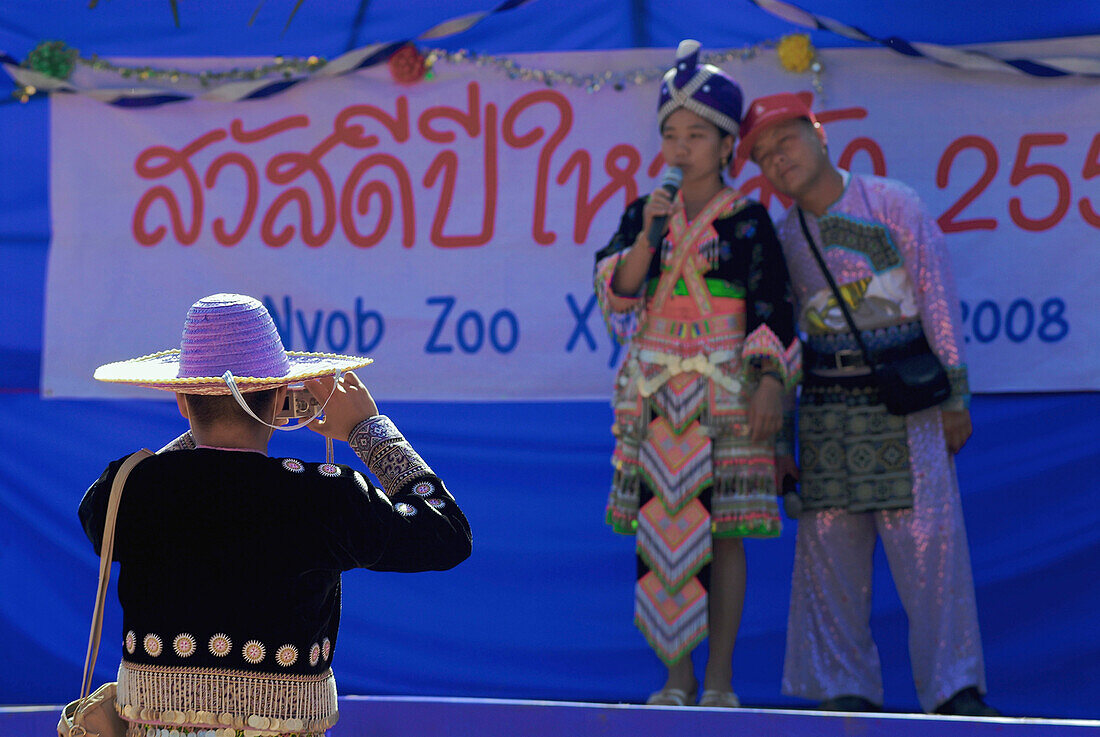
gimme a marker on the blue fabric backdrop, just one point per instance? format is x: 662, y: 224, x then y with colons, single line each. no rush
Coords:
x: 543, y: 608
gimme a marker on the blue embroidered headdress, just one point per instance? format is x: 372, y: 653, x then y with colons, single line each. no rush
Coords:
x: 703, y: 89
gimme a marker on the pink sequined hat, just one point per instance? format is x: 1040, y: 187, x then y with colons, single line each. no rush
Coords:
x: 226, y: 332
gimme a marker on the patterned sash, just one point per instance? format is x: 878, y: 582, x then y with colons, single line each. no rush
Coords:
x: 688, y: 238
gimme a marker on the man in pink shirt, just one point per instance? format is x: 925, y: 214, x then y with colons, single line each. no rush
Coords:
x: 867, y: 473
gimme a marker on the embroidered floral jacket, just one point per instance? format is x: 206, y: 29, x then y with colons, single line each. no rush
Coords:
x: 739, y: 257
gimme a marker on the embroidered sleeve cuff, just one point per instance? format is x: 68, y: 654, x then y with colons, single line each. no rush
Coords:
x: 183, y: 442
x: 606, y: 276
x: 621, y: 323
x: 960, y: 388
x: 386, y: 453
x: 763, y: 351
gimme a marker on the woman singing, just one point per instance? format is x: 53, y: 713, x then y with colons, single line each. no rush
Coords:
x: 699, y: 399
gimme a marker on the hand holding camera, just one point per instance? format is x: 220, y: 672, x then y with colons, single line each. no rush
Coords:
x: 298, y: 404
x: 348, y: 403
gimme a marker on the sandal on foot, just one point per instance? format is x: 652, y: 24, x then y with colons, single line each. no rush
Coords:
x: 668, y: 697
x: 720, y: 699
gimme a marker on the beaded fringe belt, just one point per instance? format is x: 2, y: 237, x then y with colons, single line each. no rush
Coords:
x: 260, y: 703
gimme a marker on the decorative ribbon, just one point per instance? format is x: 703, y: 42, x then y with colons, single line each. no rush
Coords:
x: 361, y: 58
x: 702, y: 363
x: 973, y: 61
x: 687, y: 239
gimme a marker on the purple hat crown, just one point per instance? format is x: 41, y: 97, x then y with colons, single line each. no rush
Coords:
x: 231, y: 332
x: 704, y: 89
x: 227, y: 332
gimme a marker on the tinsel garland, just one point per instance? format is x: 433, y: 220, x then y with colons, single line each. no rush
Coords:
x: 56, y: 60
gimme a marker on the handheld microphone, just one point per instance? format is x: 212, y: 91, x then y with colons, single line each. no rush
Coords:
x: 670, y: 182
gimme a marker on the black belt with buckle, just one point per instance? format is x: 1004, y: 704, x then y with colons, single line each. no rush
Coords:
x: 853, y: 358
x: 843, y: 359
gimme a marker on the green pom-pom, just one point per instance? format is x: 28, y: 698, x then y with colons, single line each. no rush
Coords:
x: 52, y: 58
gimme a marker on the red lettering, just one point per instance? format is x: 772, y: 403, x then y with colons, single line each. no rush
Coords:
x: 156, y: 162
x: 236, y: 128
x: 354, y: 134
x: 947, y: 221
x: 446, y: 163
x: 622, y: 177
x: 656, y: 165
x: 868, y: 145
x: 1090, y: 170
x: 285, y: 168
x: 252, y: 196
x: 252, y: 183
x: 1021, y: 170
x: 470, y: 120
x: 565, y: 123
x: 377, y: 189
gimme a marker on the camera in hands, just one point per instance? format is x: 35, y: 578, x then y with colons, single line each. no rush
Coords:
x: 298, y: 404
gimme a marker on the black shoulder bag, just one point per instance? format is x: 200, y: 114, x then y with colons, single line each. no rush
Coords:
x: 905, y: 385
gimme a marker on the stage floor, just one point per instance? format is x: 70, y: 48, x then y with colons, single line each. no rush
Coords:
x: 414, y: 716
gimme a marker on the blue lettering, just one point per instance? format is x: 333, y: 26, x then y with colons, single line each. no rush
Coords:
x: 335, y: 327
x: 1021, y: 320
x: 1015, y: 333
x: 580, y: 329
x: 494, y: 337
x: 341, y: 320
x: 362, y: 317
x: 1054, y: 326
x: 432, y: 346
x: 309, y: 338
x: 470, y: 317
x: 987, y: 307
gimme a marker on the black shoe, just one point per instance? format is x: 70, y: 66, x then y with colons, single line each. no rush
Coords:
x: 967, y: 703
x: 848, y: 703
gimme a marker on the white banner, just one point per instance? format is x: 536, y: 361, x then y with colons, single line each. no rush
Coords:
x: 447, y: 229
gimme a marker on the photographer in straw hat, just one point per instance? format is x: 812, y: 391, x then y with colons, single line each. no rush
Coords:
x: 230, y: 561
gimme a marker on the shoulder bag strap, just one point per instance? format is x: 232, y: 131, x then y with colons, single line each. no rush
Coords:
x: 836, y: 290
x: 106, y: 551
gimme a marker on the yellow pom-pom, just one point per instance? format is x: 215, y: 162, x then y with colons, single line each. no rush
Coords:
x: 796, y: 53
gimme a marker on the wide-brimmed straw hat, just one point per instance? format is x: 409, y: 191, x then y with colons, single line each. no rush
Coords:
x: 227, y: 332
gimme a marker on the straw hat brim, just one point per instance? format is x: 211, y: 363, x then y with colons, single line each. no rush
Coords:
x: 160, y: 371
